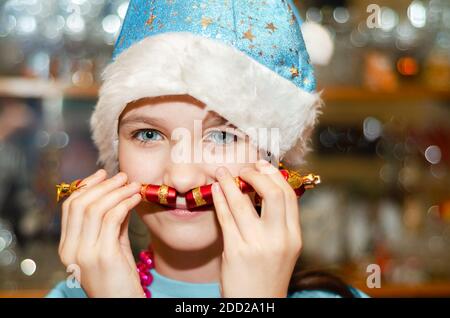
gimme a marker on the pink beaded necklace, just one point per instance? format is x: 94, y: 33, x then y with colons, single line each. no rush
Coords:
x: 144, y: 266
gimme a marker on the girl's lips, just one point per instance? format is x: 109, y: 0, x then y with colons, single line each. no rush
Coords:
x: 181, y: 210
x: 183, y: 213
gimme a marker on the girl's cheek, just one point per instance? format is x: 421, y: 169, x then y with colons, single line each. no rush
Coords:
x: 140, y: 163
x: 238, y: 154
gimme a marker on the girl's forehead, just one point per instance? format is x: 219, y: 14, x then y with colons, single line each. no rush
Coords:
x: 171, y: 110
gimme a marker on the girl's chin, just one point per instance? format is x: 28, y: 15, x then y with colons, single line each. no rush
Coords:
x: 182, y: 234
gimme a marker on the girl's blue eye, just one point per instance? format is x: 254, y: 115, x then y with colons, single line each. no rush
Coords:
x: 148, y: 135
x: 222, y: 137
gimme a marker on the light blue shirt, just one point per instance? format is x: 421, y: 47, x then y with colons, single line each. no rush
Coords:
x: 164, y: 287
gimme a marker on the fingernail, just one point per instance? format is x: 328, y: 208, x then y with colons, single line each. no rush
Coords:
x: 221, y: 172
x: 263, y: 162
x: 99, y: 172
x: 120, y: 176
x: 215, y: 187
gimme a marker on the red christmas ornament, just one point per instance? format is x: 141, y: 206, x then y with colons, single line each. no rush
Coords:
x: 202, y: 195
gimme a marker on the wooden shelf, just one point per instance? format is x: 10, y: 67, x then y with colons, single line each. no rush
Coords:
x: 347, y: 168
x: 432, y: 289
x: 25, y: 293
x: 81, y: 92
x: 404, y: 93
x: 32, y: 87
x: 29, y: 88
x: 38, y: 88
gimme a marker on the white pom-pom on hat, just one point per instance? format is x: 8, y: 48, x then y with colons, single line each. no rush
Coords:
x: 318, y: 41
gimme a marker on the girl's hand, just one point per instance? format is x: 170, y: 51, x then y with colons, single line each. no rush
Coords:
x: 94, y: 235
x: 259, y: 252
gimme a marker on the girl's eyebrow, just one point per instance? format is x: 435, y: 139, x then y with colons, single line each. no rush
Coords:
x: 213, y: 120
x: 142, y: 119
x: 209, y: 121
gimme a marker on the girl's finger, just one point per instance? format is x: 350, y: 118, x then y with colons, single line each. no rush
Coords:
x: 88, y: 182
x: 95, y: 211
x: 292, y: 211
x: 79, y: 204
x: 240, y: 205
x: 113, y: 220
x: 124, y: 241
x: 273, y: 203
x: 225, y: 217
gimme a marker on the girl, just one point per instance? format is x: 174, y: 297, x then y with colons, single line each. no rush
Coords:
x: 198, y: 93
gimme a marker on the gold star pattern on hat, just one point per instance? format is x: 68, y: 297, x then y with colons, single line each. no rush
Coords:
x: 150, y: 20
x: 270, y: 26
x: 294, y: 71
x: 206, y: 22
x: 292, y: 19
x: 249, y: 35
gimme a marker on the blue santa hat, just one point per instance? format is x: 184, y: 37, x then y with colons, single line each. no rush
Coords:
x: 244, y: 59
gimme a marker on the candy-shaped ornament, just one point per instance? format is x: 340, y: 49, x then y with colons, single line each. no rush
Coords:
x: 201, y: 196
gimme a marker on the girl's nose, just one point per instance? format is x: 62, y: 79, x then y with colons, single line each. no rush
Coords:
x: 184, y: 177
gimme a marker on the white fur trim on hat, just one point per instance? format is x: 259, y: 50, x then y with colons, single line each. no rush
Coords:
x: 229, y: 82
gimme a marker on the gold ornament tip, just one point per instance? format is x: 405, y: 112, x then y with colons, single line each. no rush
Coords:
x: 311, y: 180
x: 65, y: 189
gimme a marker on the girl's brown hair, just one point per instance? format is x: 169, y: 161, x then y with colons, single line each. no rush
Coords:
x: 317, y: 280
x: 308, y: 280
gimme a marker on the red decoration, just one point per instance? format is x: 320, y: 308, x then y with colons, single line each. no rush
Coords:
x: 202, y: 195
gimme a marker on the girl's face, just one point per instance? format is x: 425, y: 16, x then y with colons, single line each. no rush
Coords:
x: 173, y: 140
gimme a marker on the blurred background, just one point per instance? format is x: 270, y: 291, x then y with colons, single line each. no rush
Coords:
x: 382, y: 146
